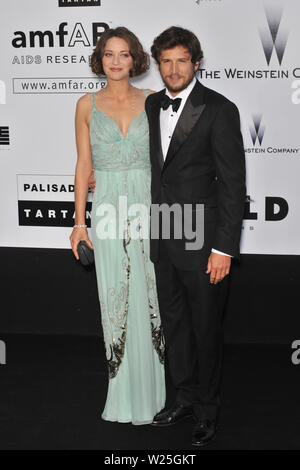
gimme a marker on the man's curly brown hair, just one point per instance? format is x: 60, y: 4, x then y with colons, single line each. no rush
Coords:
x: 139, y: 56
x: 177, y: 36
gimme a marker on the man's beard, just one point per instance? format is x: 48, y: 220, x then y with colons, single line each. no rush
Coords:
x: 179, y: 89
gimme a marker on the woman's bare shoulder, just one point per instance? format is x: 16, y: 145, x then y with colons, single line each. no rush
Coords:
x: 84, y: 101
x: 151, y: 91
x: 84, y: 108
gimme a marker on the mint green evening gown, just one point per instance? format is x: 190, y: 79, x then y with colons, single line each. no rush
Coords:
x: 130, y: 316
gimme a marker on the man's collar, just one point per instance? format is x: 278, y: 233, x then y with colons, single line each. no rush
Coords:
x: 184, y: 93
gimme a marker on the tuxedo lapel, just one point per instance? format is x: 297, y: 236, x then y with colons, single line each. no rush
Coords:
x: 155, y: 127
x: 190, y: 114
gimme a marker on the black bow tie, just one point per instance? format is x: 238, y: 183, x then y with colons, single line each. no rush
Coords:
x: 166, y: 101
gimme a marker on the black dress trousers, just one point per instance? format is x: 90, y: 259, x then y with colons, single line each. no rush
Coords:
x: 191, y: 310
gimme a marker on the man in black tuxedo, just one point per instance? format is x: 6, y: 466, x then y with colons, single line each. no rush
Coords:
x: 197, y: 157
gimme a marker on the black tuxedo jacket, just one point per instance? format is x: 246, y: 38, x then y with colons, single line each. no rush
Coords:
x: 205, y: 164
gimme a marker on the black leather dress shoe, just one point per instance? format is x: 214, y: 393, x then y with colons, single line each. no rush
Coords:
x: 172, y: 416
x: 204, y: 431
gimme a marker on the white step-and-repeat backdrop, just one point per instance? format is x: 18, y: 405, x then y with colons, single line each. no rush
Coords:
x: 251, y: 51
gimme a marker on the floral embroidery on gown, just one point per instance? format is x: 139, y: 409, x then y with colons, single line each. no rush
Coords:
x: 130, y: 315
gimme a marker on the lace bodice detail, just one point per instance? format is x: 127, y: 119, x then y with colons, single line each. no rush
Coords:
x: 111, y: 150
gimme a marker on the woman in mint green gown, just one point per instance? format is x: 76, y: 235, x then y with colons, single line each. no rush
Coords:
x: 125, y: 274
x: 130, y: 315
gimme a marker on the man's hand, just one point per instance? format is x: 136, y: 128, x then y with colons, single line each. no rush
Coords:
x: 218, y: 266
x: 92, y: 181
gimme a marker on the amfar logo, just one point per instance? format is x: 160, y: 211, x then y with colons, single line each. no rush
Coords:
x: 79, y: 3
x: 49, y: 38
x: 257, y: 130
x: 272, y: 38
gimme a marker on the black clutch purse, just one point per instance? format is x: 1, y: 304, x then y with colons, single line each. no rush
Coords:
x: 85, y: 253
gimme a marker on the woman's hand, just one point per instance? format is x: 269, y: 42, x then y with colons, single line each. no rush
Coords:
x: 78, y: 234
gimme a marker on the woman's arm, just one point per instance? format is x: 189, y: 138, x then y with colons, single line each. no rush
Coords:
x: 82, y: 171
x: 84, y: 159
